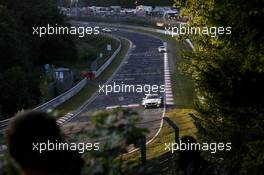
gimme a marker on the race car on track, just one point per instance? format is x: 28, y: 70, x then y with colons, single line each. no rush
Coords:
x: 152, y: 100
x: 106, y: 30
x: 162, y: 49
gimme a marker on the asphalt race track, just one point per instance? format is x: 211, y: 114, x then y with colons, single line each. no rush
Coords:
x: 144, y: 66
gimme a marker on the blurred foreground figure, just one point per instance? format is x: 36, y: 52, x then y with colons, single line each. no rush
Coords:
x: 29, y: 128
x: 191, y: 162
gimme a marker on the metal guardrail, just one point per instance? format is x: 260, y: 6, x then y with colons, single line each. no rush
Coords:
x: 109, y: 61
x: 70, y: 93
x: 62, y: 98
x: 52, y: 103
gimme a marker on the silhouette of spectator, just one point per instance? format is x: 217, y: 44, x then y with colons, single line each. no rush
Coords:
x: 191, y: 162
x: 37, y: 127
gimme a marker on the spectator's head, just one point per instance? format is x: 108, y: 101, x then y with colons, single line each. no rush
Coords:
x: 188, y: 156
x: 32, y: 128
x: 191, y: 154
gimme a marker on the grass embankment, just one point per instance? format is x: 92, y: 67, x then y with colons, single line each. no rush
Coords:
x: 182, y: 85
x: 91, y: 88
x: 157, y: 147
x: 167, y: 135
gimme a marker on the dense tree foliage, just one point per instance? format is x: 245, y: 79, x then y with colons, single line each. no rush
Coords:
x: 23, y: 54
x: 115, y: 131
x: 228, y: 72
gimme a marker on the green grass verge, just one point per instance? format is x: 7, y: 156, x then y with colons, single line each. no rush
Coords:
x: 185, y: 123
x: 157, y: 147
x: 89, y: 89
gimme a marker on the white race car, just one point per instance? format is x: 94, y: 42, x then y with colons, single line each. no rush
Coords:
x: 152, y: 100
x: 162, y: 49
x: 106, y: 30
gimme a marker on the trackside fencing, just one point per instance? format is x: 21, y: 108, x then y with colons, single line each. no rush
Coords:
x: 110, y: 60
x: 72, y: 92
x: 153, y: 156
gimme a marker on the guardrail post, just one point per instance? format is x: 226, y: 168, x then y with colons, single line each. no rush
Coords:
x: 143, y: 150
x: 175, y: 127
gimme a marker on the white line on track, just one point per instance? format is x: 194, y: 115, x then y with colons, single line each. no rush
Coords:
x: 112, y: 107
x: 167, y: 79
x: 65, y: 118
x: 150, y: 73
x: 124, y: 106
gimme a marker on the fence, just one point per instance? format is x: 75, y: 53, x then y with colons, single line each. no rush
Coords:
x: 52, y: 103
x: 169, y: 134
x: 70, y: 93
x: 62, y: 98
x: 67, y: 95
x: 109, y: 61
x: 168, y: 155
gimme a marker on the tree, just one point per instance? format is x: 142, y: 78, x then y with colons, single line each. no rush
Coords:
x: 115, y: 131
x: 19, y: 90
x: 24, y: 53
x: 228, y: 73
x: 13, y: 48
x: 32, y: 13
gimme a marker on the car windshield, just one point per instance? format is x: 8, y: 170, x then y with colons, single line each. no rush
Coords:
x: 152, y: 97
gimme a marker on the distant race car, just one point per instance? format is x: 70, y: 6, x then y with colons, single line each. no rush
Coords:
x: 106, y: 30
x: 162, y: 49
x: 152, y: 100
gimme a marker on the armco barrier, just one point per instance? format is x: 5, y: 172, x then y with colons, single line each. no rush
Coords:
x: 109, y: 61
x: 52, y: 103
x: 70, y: 93
x: 62, y: 98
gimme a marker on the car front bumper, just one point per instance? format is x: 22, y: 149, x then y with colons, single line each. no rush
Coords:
x: 151, y: 104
